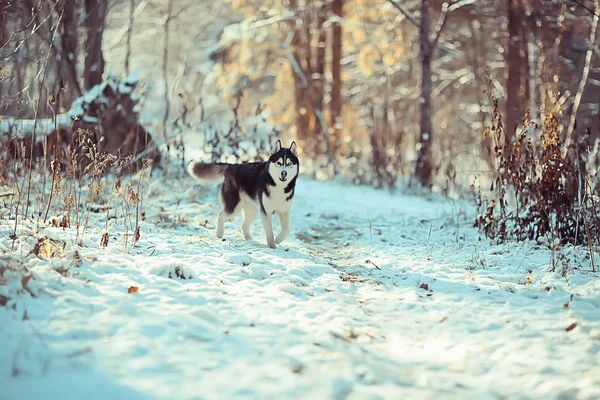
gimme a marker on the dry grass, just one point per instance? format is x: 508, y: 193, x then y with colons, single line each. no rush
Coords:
x: 540, y: 192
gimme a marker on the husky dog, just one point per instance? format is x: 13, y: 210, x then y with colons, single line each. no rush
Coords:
x: 268, y: 186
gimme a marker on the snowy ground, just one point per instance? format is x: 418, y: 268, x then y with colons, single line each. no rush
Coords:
x: 374, y: 295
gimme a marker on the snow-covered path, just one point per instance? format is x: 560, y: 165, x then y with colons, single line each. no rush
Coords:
x: 374, y: 295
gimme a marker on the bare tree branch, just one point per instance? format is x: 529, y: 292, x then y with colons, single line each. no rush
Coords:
x: 37, y: 109
x: 460, y: 4
x: 587, y: 8
x: 445, y: 46
x: 16, y: 32
x: 405, y: 12
x: 123, y: 31
x: 441, y: 23
x: 31, y: 35
x: 292, y: 59
x: 446, y: 10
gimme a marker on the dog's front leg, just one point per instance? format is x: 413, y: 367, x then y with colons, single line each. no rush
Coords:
x: 268, y: 225
x: 284, y: 219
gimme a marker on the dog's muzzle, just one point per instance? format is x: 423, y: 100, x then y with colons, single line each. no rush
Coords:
x: 283, y: 176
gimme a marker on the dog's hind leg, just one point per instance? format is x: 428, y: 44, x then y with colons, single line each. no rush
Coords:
x: 284, y: 219
x: 230, y: 199
x: 250, y: 211
x: 268, y: 225
x: 224, y: 216
x: 221, y: 223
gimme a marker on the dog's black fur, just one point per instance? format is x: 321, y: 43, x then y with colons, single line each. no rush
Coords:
x: 252, y: 178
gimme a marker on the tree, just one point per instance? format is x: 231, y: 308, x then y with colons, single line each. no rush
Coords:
x: 336, y: 75
x: 427, y: 44
x: 424, y: 168
x: 68, y: 70
x: 95, y: 14
x: 518, y: 71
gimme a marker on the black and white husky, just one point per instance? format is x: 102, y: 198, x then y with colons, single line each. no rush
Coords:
x: 268, y: 186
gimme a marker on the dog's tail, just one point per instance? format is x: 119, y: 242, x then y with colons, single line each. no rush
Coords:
x: 208, y: 173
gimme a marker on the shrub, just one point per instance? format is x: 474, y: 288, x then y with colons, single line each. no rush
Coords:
x: 540, y: 190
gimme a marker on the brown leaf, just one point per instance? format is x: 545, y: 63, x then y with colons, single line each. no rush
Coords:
x: 443, y: 319
x: 104, y: 240
x: 133, y: 289
x: 424, y: 286
x: 26, y: 279
x: 297, y: 369
x: 571, y: 327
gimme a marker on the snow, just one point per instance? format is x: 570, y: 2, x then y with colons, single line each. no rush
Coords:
x: 23, y: 128
x: 374, y: 295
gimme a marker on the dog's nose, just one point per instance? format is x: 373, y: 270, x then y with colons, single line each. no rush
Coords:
x: 284, y: 174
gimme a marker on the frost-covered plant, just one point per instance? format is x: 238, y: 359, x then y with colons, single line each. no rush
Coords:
x: 541, y: 190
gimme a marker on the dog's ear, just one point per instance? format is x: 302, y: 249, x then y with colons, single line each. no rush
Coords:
x: 277, y: 147
x: 294, y: 149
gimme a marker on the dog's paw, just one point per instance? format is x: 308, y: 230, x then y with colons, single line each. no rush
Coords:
x: 272, y: 245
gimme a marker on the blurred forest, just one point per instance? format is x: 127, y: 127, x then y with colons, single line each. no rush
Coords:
x: 500, y: 95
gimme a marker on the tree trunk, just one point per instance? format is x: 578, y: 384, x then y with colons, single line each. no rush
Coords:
x: 517, y: 62
x: 423, y: 170
x: 318, y: 74
x: 129, y: 35
x: 69, y: 53
x: 95, y: 13
x: 302, y: 107
x: 336, y: 74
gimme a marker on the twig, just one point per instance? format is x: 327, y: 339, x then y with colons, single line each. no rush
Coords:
x: 406, y: 13
x: 373, y: 264
x: 53, y: 165
x: 429, y: 235
x: 446, y: 10
x: 32, y: 34
x: 37, y: 109
x: 589, y: 240
x: 166, y: 63
x: 441, y: 23
x: 293, y: 61
x: 595, y: 13
x: 119, y: 36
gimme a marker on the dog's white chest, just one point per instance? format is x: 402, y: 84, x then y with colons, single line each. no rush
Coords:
x: 277, y: 200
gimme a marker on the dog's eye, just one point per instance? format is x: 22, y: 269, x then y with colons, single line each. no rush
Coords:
x: 289, y: 164
x: 279, y: 163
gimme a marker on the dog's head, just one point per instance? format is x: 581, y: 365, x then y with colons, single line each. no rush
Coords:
x: 283, y: 163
